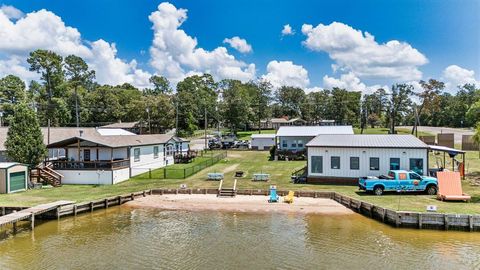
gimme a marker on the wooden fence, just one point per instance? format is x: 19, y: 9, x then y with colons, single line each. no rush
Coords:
x: 446, y: 139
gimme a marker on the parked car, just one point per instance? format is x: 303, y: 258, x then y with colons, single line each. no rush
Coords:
x: 400, y: 181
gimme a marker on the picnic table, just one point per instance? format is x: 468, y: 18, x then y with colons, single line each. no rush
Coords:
x: 215, y: 176
x: 261, y: 177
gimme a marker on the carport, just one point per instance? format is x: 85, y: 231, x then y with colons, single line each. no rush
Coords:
x: 452, y: 153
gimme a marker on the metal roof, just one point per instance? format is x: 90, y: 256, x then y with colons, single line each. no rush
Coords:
x: 445, y: 149
x: 6, y: 165
x: 312, y: 131
x: 128, y: 125
x: 114, y: 132
x: 367, y: 141
x: 259, y: 136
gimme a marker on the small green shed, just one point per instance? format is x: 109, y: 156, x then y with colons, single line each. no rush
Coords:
x: 13, y: 177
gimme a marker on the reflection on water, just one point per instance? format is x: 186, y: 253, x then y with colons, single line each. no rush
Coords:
x: 126, y: 238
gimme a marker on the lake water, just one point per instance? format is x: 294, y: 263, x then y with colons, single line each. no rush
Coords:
x: 128, y: 238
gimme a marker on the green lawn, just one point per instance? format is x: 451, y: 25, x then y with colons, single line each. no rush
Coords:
x: 247, y: 135
x: 253, y: 162
x: 378, y: 130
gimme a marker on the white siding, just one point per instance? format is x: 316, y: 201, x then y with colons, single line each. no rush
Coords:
x: 147, y: 160
x: 291, y: 140
x: 86, y: 177
x: 263, y: 143
x: 104, y: 153
x: 121, y: 175
x: 364, y: 154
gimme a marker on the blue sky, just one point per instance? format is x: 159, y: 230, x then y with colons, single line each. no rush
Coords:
x: 445, y: 32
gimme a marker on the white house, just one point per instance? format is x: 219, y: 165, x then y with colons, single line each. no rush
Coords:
x: 294, y: 138
x: 342, y: 159
x: 92, y: 158
x: 55, y: 134
x: 262, y: 141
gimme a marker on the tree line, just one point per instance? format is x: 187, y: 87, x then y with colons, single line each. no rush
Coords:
x: 67, y: 94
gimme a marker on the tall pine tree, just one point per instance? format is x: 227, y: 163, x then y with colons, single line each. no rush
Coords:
x: 24, y: 139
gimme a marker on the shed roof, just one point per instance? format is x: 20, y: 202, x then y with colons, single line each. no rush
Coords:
x: 445, y: 149
x: 311, y: 131
x: 367, y: 141
x: 259, y: 136
x: 6, y: 165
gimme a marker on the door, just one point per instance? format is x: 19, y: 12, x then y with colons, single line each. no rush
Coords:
x: 86, y: 155
x: 17, y: 181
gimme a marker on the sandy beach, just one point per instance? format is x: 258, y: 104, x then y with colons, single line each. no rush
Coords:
x: 240, y: 203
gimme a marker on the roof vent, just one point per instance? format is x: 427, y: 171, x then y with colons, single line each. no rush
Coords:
x: 81, y: 133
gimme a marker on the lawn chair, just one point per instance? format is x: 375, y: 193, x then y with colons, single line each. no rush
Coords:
x: 289, y: 197
x: 273, y: 194
x: 450, y: 187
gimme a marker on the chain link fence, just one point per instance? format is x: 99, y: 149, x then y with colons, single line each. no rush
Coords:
x: 170, y: 172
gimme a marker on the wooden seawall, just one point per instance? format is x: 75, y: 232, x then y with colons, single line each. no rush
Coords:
x: 399, y: 219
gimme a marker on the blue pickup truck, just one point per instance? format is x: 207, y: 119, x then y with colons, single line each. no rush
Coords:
x: 400, y: 181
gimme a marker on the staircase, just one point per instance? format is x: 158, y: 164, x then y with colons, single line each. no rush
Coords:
x: 227, y: 192
x: 44, y: 174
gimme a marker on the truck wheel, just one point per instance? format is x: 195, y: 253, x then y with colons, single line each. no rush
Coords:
x: 431, y: 190
x: 378, y: 190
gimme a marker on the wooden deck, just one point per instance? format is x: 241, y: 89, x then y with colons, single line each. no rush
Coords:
x: 29, y: 213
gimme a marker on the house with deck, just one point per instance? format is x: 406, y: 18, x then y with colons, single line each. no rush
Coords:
x: 343, y: 158
x: 110, y: 159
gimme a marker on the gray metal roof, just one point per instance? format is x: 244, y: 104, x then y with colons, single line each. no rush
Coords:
x: 367, y: 141
x: 312, y: 131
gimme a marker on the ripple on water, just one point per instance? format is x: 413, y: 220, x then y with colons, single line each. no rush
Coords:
x: 125, y: 238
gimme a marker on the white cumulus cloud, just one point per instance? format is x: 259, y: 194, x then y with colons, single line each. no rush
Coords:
x: 175, y: 54
x: 45, y: 30
x: 239, y: 44
x: 359, y: 53
x: 454, y: 76
x: 350, y: 82
x: 287, y: 30
x: 11, y: 12
x: 286, y: 73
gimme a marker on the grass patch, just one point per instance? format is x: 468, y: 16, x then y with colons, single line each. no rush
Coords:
x: 247, y: 135
x: 254, y: 162
x: 386, y: 130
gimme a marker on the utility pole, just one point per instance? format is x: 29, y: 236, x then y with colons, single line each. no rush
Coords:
x: 148, y: 116
x: 76, y: 107
x: 206, y: 145
x: 176, y: 117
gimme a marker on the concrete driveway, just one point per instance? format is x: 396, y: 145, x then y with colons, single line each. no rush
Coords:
x: 436, y: 130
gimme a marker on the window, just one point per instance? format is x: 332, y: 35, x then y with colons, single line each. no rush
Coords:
x: 374, y: 163
x: 155, y: 152
x: 402, y: 176
x: 294, y: 144
x: 169, y: 150
x: 284, y: 144
x: 317, y: 164
x: 416, y: 165
x: 300, y: 144
x: 136, y: 154
x: 415, y: 176
x: 394, y: 164
x: 354, y: 163
x: 335, y: 162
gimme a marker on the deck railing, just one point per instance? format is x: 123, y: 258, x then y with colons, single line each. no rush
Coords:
x: 90, y: 165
